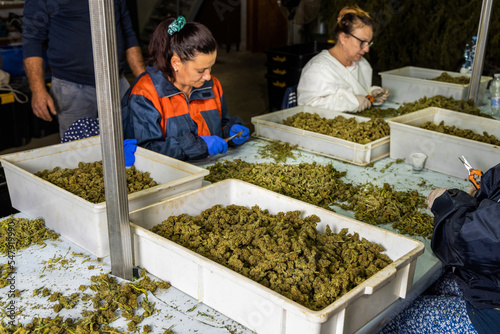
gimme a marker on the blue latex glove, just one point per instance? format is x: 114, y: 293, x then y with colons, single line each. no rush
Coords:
x: 130, y: 145
x: 215, y: 144
x: 244, y: 136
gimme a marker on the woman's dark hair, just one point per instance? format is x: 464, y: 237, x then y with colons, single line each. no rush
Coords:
x: 349, y: 18
x: 186, y: 43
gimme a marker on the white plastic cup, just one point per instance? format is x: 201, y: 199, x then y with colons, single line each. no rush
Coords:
x: 417, y: 161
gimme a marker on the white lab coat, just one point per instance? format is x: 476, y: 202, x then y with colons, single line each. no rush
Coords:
x: 326, y: 83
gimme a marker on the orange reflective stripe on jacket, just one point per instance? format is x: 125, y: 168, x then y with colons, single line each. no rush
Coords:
x: 177, y: 105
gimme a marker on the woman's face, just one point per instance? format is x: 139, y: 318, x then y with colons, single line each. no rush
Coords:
x: 194, y: 73
x: 357, y: 43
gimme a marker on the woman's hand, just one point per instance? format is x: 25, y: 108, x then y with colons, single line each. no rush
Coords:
x: 380, y: 96
x: 364, y: 103
x: 245, y: 134
x: 215, y: 144
x: 130, y: 146
x: 472, y: 191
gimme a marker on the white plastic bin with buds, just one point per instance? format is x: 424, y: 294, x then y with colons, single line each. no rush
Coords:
x: 271, y: 127
x: 76, y: 219
x: 443, y: 150
x: 250, y: 303
x: 408, y: 84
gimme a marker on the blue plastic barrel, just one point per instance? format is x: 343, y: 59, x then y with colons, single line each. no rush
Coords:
x: 12, y: 59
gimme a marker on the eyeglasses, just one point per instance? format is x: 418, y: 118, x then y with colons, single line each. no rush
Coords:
x: 363, y: 44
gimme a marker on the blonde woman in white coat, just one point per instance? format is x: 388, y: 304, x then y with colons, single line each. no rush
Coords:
x: 340, y: 78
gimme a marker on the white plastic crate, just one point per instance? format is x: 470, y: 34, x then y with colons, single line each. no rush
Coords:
x: 249, y: 303
x: 443, y: 150
x: 271, y: 127
x: 78, y: 220
x: 408, y: 84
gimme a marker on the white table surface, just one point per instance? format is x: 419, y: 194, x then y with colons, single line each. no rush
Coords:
x: 175, y: 309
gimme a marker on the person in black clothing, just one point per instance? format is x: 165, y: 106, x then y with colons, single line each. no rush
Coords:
x: 466, y: 239
x: 63, y: 27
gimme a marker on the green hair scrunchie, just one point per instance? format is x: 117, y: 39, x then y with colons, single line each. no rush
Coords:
x: 177, y: 25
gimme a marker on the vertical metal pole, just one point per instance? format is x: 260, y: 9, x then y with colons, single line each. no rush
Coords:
x: 102, y: 21
x: 482, y: 36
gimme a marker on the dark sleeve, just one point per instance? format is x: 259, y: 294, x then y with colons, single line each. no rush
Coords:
x: 490, y: 184
x: 467, y: 229
x: 128, y: 29
x: 35, y: 29
x: 141, y: 120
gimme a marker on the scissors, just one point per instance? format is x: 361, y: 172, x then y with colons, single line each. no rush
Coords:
x: 372, y: 98
x: 234, y: 136
x: 474, y: 174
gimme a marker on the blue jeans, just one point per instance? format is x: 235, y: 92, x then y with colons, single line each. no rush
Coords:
x: 74, y: 101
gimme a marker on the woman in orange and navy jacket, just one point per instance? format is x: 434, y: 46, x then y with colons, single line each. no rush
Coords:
x: 177, y: 107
